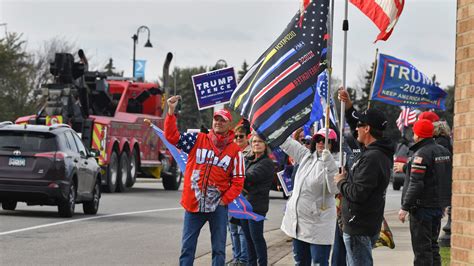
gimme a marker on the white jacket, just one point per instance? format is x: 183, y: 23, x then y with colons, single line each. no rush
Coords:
x: 304, y: 219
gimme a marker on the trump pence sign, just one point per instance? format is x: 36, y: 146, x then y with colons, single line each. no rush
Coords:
x: 214, y: 88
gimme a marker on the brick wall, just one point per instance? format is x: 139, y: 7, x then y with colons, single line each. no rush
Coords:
x: 462, y: 238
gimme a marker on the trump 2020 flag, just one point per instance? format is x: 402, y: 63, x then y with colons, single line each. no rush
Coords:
x: 179, y: 156
x: 276, y: 94
x: 384, y: 13
x: 240, y: 208
x: 398, y: 82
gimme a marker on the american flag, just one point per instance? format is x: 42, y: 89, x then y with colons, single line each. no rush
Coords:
x: 179, y: 156
x: 407, y: 117
x: 276, y: 95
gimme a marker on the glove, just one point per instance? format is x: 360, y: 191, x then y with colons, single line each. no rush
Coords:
x: 326, y: 155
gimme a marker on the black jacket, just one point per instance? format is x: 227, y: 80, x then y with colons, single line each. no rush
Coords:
x: 259, y: 176
x: 363, y: 192
x: 430, y: 177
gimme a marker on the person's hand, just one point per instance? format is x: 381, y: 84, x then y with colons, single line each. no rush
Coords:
x: 147, y: 122
x: 402, y: 214
x: 326, y: 155
x: 221, y: 203
x: 398, y: 167
x: 343, y: 96
x: 172, y: 103
x: 340, y: 177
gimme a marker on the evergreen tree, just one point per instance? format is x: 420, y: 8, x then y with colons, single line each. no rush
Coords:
x: 16, y: 72
x: 242, y: 71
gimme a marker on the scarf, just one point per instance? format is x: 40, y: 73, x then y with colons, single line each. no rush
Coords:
x: 220, y: 141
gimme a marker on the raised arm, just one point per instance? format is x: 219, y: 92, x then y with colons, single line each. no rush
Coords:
x: 294, y: 149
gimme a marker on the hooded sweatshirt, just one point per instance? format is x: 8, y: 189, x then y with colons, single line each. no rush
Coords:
x: 214, y: 173
x: 364, y: 189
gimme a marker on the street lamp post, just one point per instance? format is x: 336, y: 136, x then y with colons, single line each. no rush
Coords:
x: 135, y: 41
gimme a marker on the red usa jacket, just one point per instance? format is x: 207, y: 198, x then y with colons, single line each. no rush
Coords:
x: 210, y: 176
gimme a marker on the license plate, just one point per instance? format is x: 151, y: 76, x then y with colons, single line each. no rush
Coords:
x: 17, y: 161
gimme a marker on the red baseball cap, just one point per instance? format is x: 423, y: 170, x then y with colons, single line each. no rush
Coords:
x: 432, y: 116
x: 224, y: 113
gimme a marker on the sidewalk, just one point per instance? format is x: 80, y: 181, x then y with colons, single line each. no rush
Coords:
x: 280, y: 251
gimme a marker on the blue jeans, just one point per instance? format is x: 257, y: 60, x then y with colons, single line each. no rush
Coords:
x: 305, y: 253
x: 239, y: 245
x: 425, y: 224
x: 256, y: 245
x: 193, y: 222
x: 339, y: 250
x: 359, y: 249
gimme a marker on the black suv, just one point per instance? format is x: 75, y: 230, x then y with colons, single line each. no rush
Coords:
x: 47, y: 165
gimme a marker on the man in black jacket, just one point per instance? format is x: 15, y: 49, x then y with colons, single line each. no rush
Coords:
x: 363, y: 189
x: 426, y: 192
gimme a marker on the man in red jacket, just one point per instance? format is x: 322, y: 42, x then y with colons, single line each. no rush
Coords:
x: 213, y: 178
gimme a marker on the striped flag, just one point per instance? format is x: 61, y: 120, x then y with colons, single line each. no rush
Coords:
x: 179, y: 156
x: 407, y: 117
x: 276, y: 94
x: 384, y: 13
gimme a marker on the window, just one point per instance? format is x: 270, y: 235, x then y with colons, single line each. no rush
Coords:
x: 70, y: 140
x: 80, y: 146
x: 27, y: 141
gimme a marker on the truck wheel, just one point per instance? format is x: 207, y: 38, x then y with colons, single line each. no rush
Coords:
x: 91, y: 207
x: 112, y: 173
x: 133, y: 168
x: 123, y: 173
x: 171, y: 179
x: 9, y: 205
x: 66, y: 206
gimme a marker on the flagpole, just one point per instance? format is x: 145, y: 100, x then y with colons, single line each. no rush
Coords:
x: 373, y: 77
x: 328, y: 96
x: 345, y: 28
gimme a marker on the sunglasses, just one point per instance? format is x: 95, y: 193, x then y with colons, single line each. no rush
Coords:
x: 239, y: 137
x: 360, y: 124
x: 319, y: 139
x: 305, y: 141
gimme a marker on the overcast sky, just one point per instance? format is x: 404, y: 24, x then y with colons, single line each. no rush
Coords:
x: 202, y: 32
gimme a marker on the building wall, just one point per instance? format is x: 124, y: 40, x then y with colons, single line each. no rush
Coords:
x: 462, y: 239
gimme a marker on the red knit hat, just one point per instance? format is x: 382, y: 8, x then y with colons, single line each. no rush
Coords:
x: 423, y: 128
x: 432, y: 116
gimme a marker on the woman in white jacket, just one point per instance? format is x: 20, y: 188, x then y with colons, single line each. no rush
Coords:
x: 311, y: 210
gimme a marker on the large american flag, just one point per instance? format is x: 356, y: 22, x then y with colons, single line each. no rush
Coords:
x: 407, y: 117
x: 276, y: 95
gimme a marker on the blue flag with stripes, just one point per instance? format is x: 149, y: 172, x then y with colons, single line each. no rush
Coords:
x: 277, y: 93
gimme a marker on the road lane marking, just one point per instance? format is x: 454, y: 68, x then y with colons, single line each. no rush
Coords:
x: 85, y: 219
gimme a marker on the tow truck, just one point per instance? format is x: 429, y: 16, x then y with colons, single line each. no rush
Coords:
x: 109, y: 114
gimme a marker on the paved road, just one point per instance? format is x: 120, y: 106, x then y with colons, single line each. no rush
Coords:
x: 142, y: 226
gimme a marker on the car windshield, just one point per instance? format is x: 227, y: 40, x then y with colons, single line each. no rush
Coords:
x: 27, y: 141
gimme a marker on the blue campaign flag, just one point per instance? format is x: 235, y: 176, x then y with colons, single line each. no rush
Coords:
x: 317, y: 108
x: 140, y: 69
x: 240, y: 208
x: 179, y: 156
x: 398, y: 82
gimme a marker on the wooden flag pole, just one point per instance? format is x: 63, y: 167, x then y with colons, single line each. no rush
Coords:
x: 373, y: 77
